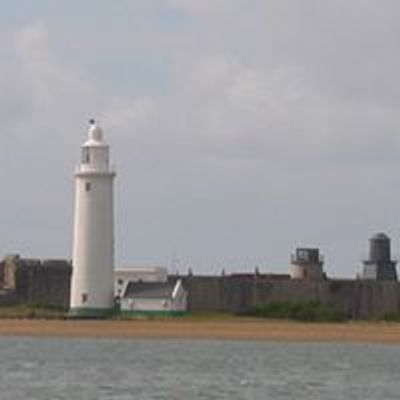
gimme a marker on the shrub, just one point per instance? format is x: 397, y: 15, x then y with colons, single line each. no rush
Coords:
x: 392, y: 317
x: 30, y: 311
x: 299, y: 311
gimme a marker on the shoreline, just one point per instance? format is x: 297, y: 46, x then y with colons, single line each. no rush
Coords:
x: 232, y: 329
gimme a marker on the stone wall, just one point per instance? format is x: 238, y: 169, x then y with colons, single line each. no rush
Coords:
x: 44, y: 282
x: 48, y: 282
x: 355, y: 299
x: 7, y: 298
x: 1, y: 273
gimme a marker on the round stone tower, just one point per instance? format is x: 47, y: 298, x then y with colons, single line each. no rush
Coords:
x: 92, y: 286
x: 306, y: 264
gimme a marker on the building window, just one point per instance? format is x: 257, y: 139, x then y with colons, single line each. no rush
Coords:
x: 302, y: 255
x: 85, y: 156
x: 88, y: 186
x: 84, y: 298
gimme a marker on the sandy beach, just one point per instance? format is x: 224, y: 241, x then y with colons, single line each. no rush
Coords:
x: 238, y: 329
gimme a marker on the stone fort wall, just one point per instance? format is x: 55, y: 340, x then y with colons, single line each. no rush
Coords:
x: 34, y: 281
x: 47, y: 282
x: 354, y: 298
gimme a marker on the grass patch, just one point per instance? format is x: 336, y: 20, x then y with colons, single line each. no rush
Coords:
x: 32, y: 311
x: 187, y: 316
x: 145, y: 316
x: 391, y: 317
x: 312, y: 311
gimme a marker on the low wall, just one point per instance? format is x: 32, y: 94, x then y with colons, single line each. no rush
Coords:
x: 38, y: 281
x: 355, y: 299
x: 1, y: 274
x: 48, y: 282
x: 7, y: 298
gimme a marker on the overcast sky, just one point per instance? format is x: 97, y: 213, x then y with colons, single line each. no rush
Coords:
x: 240, y: 129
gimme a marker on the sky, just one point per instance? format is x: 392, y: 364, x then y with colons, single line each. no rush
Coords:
x: 240, y: 129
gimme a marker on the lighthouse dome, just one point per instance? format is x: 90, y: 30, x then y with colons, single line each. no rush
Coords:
x: 95, y: 132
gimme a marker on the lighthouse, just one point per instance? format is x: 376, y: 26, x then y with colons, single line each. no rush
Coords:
x: 92, y: 286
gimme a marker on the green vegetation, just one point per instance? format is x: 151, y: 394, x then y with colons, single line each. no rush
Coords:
x: 121, y: 315
x: 33, y: 311
x: 312, y: 311
x: 391, y: 317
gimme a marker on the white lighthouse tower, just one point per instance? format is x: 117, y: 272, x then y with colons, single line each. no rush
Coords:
x: 92, y: 287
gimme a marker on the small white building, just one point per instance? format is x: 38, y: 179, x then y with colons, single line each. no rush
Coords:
x: 154, y: 298
x: 122, y: 277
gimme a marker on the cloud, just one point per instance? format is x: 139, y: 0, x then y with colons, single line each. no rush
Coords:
x: 52, y: 86
x: 203, y: 6
x: 276, y: 124
x: 44, y: 106
x: 132, y: 113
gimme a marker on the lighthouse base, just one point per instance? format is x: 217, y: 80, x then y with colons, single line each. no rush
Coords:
x: 90, y: 313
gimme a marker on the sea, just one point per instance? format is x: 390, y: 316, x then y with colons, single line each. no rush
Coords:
x: 97, y: 369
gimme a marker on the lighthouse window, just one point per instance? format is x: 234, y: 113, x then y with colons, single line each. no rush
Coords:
x: 87, y: 186
x: 85, y: 156
x: 84, y: 297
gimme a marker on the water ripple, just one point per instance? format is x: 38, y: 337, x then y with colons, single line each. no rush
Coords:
x: 58, y: 369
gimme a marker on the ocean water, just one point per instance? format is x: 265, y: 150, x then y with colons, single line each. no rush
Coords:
x: 52, y: 368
